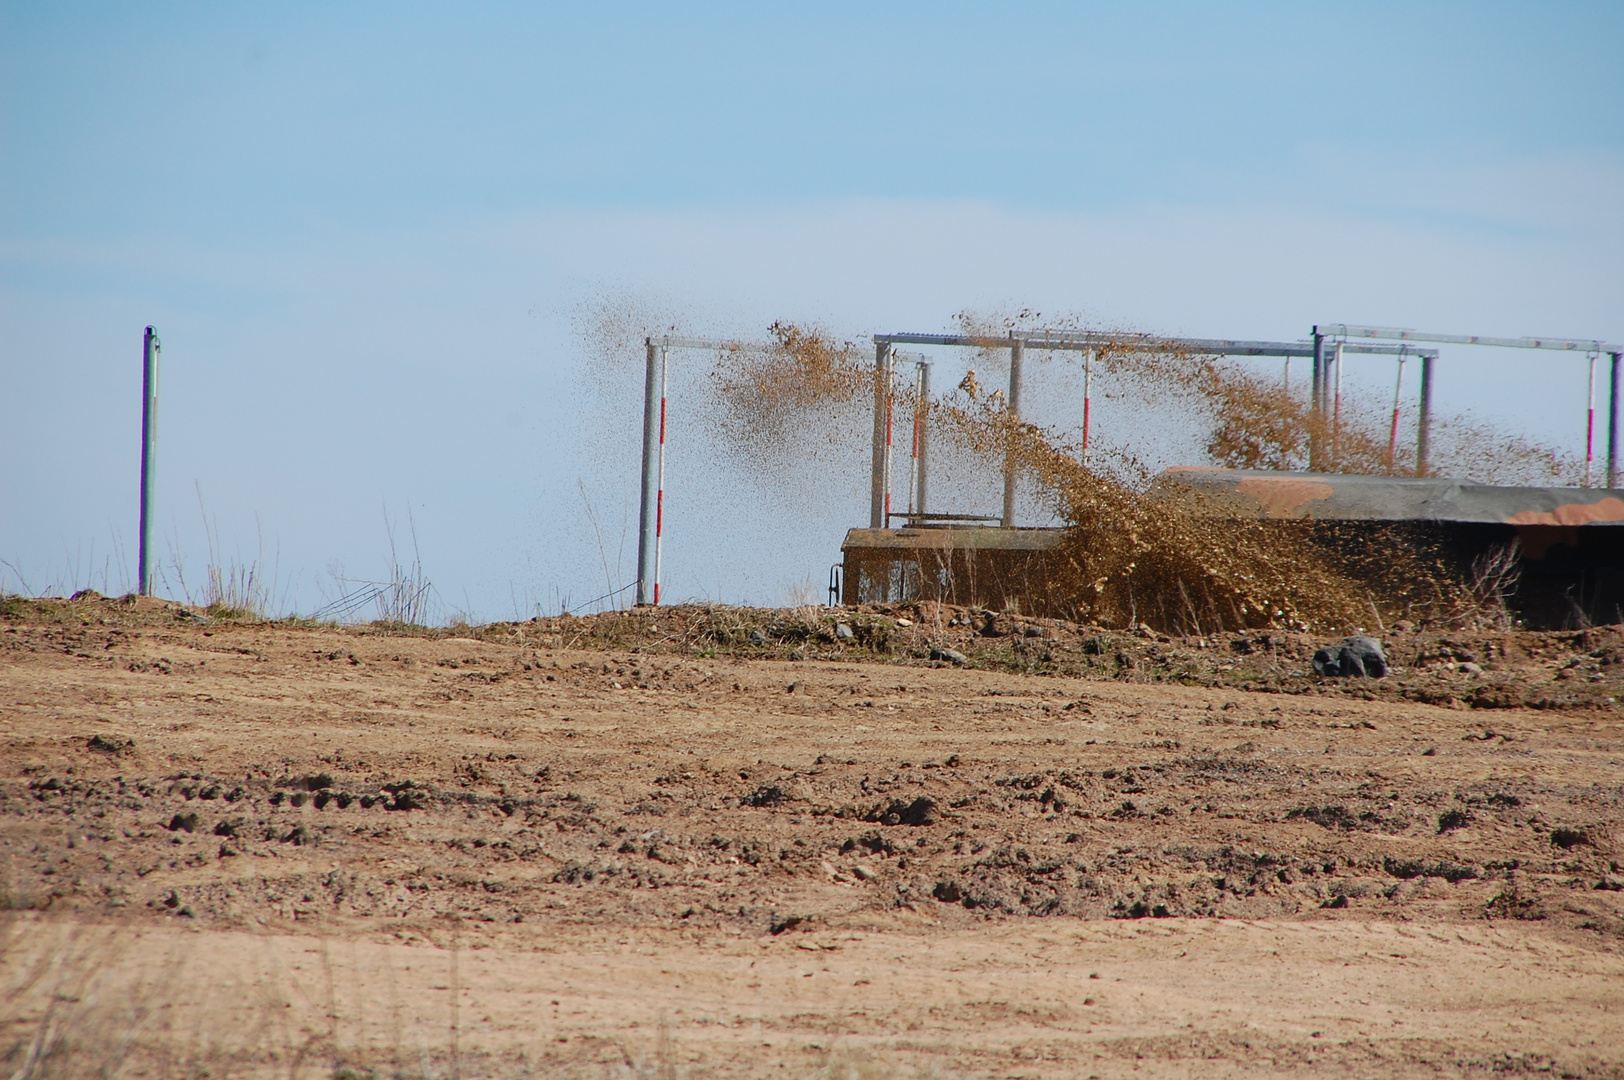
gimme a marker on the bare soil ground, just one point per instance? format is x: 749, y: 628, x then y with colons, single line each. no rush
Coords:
x: 652, y: 845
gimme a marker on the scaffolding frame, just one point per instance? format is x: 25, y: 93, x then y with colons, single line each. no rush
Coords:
x: 1090, y: 343
x: 1341, y: 333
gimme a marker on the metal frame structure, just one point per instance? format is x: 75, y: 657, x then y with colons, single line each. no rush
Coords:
x: 1326, y: 347
x: 1091, y: 343
x: 1340, y: 333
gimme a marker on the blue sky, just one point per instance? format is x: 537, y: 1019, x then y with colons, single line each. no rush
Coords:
x: 365, y: 235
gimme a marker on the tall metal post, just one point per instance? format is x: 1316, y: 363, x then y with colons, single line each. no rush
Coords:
x: 1612, y: 421
x: 1014, y: 407
x: 922, y: 436
x: 150, y: 348
x: 882, y: 411
x: 1423, y: 434
x: 659, y: 478
x: 1315, y: 399
x: 1590, y: 421
x: 1392, y: 435
x: 649, y: 509
x: 1336, y: 406
x: 1088, y: 391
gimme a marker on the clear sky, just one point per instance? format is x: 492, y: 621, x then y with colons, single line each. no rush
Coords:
x: 365, y: 234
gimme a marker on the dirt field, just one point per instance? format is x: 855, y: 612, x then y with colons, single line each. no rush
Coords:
x: 651, y: 846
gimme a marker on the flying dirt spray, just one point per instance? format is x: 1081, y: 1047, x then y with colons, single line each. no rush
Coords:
x: 784, y: 410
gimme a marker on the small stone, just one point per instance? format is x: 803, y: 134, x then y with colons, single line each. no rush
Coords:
x: 757, y: 638
x: 844, y: 632
x: 1353, y: 656
x: 862, y: 873
x: 107, y: 744
x: 952, y: 656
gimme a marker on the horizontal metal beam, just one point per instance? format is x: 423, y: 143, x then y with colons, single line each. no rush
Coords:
x: 1339, y: 331
x: 1386, y: 350
x: 693, y: 343
x: 1070, y: 341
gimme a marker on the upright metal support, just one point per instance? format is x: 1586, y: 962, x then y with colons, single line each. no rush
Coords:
x: 1423, y: 434
x: 1336, y: 407
x: 1014, y: 406
x: 659, y: 478
x: 1590, y: 422
x: 1316, y: 397
x: 649, y: 509
x: 1392, y: 435
x: 922, y: 439
x: 1088, y: 392
x: 878, y: 480
x: 1612, y: 421
x: 150, y: 348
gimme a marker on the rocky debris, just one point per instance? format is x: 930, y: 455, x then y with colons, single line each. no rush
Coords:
x: 110, y: 744
x: 952, y: 656
x: 768, y: 795
x: 408, y: 796
x: 1356, y: 656
x: 921, y: 811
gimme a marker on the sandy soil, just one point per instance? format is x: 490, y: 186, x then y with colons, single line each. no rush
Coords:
x: 253, y: 849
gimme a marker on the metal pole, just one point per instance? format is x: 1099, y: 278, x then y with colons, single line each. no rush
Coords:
x: 890, y: 437
x: 1336, y: 410
x: 1315, y: 393
x: 1014, y: 408
x: 1590, y: 421
x: 922, y: 438
x: 649, y: 507
x: 882, y: 394
x: 660, y: 475
x: 913, y: 458
x: 1088, y: 388
x: 150, y: 349
x: 659, y: 494
x: 1423, y: 435
x: 1612, y: 422
x: 1392, y: 436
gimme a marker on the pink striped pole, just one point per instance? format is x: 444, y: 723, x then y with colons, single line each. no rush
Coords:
x: 890, y: 415
x: 913, y: 456
x: 1088, y: 389
x: 1590, y: 421
x: 1336, y: 411
x: 659, y: 497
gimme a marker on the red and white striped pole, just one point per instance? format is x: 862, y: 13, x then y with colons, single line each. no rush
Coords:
x: 1392, y: 436
x: 659, y: 494
x: 1088, y: 390
x: 1590, y: 421
x: 913, y: 455
x: 890, y: 414
x: 1336, y: 410
x: 647, y: 509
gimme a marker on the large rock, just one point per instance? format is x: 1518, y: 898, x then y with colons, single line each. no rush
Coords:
x: 1355, y: 656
